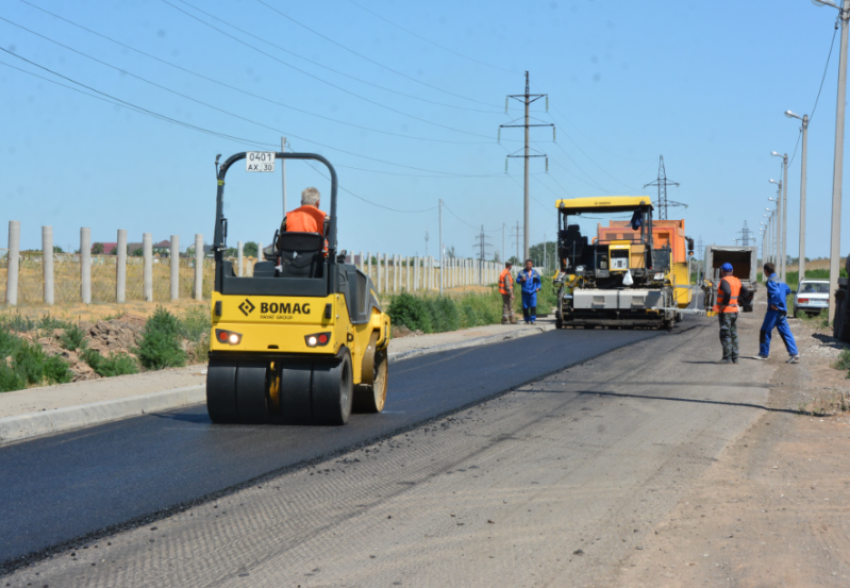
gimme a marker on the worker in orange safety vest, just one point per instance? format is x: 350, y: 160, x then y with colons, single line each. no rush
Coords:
x: 729, y: 290
x: 506, y: 289
x: 307, y: 218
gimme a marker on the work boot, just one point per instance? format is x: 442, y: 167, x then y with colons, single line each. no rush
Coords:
x: 794, y: 359
x: 760, y: 357
x: 726, y: 360
x: 734, y: 360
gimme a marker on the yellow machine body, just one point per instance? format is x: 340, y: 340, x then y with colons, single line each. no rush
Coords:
x: 282, y: 325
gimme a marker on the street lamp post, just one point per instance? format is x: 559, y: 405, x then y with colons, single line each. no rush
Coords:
x: 838, y: 162
x: 780, y: 245
x: 783, y: 218
x: 801, y: 265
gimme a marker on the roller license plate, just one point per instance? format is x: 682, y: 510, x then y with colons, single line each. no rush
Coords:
x: 259, y: 161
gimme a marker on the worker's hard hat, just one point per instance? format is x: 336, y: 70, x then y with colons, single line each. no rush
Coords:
x: 726, y: 267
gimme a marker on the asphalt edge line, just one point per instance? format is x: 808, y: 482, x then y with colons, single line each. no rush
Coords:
x: 478, y: 341
x: 34, y: 424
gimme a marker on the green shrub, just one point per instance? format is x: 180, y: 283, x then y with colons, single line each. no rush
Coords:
x: 117, y: 364
x: 28, y: 361
x: 444, y: 314
x: 56, y: 370
x: 10, y: 379
x: 196, y: 323
x: 843, y: 361
x: 411, y: 312
x: 73, y: 338
x: 160, y: 344
x: 8, y: 343
x: 48, y: 323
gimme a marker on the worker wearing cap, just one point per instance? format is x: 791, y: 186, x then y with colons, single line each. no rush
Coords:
x: 529, y: 280
x: 506, y: 289
x: 776, y: 316
x: 729, y: 290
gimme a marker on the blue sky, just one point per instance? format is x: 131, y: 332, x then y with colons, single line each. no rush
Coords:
x: 704, y: 84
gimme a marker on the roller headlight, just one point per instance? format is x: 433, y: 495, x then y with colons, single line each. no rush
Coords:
x: 658, y: 277
x: 229, y: 337
x: 317, y: 340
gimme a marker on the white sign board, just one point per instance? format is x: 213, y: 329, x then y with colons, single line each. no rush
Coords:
x: 259, y: 161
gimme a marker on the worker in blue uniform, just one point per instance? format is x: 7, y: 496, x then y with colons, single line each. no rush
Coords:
x: 776, y: 316
x: 529, y: 281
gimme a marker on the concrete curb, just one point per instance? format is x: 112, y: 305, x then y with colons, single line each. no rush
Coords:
x: 537, y: 330
x: 34, y: 424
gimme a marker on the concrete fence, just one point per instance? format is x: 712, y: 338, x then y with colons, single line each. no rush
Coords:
x: 46, y: 277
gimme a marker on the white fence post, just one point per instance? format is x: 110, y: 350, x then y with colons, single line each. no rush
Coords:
x: 121, y: 267
x: 199, y: 266
x: 378, y: 271
x: 85, y: 265
x: 175, y: 267
x: 13, y: 254
x: 147, y: 253
x: 362, y: 263
x: 407, y: 272
x: 386, y: 272
x: 240, y: 264
x: 47, y: 260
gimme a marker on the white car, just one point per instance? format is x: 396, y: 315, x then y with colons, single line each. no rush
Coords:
x: 812, y: 297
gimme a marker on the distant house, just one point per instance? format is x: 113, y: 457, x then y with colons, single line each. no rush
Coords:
x: 109, y: 248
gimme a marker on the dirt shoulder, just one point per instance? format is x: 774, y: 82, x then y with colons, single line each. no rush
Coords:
x: 773, y: 510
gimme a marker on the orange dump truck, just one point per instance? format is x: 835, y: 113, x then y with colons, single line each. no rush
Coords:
x: 665, y: 233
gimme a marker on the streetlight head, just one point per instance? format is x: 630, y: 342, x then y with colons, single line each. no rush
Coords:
x: 772, y: 181
x: 820, y: 3
x: 775, y: 154
x: 791, y: 114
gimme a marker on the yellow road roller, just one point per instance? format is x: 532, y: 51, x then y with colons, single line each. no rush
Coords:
x: 303, y: 340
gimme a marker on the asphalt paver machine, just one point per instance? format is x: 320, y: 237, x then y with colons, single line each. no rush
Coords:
x: 616, y: 279
x: 303, y: 340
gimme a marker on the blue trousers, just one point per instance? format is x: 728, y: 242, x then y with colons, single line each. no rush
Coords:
x: 776, y: 318
x: 529, y: 306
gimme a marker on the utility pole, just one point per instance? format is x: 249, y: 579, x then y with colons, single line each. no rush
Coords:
x: 662, y: 182
x: 784, y: 261
x: 504, y: 259
x: 442, y: 269
x: 838, y: 162
x: 527, y: 99
x: 283, y: 171
x: 519, y: 260
x: 801, y: 265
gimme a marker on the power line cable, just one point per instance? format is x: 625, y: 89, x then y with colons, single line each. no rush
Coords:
x: 344, y: 189
x: 298, y: 69
x: 109, y: 99
x: 825, y: 68
x: 408, y: 31
x: 216, y: 108
x: 246, y: 92
x: 370, y: 60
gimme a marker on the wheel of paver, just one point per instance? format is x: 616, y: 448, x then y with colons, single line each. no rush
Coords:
x: 559, y: 323
x: 333, y: 391
x: 371, y: 398
x: 678, y: 317
x: 588, y: 327
x: 221, y: 391
x: 251, y: 401
x: 668, y: 325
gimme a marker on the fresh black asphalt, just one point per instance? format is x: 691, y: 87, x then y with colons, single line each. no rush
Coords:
x: 56, y: 489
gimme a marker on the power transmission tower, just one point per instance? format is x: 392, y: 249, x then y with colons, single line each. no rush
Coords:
x: 426, y: 243
x: 527, y: 100
x: 746, y: 235
x: 482, y: 244
x: 662, y: 182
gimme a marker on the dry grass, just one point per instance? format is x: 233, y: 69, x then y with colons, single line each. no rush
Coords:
x: 829, y: 403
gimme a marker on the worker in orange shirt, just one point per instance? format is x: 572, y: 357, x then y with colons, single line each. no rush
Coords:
x: 305, y: 219
x: 506, y: 289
